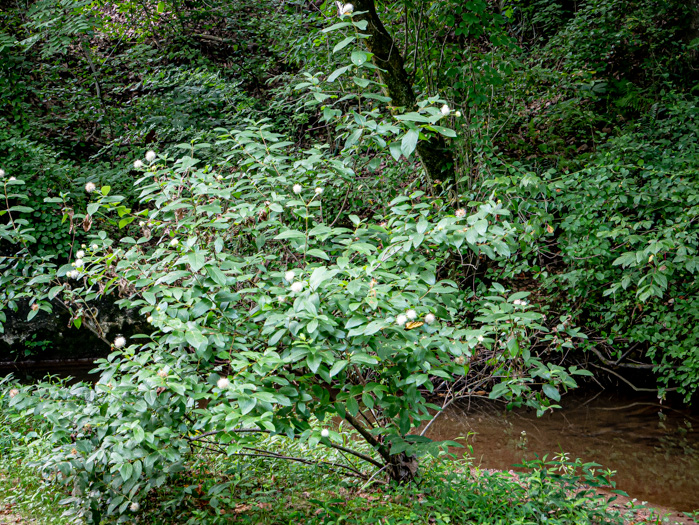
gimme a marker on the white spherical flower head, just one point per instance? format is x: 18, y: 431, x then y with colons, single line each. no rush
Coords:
x: 319, y: 191
x: 141, y: 223
x: 411, y: 314
x: 289, y: 275
x: 445, y: 110
x: 138, y: 164
x: 344, y: 9
x: 297, y: 287
x: 457, y: 114
x: 297, y: 188
x: 79, y: 263
x: 134, y: 507
x: 94, y: 247
x: 80, y: 254
x: 223, y: 383
x: 401, y: 319
x: 119, y: 342
x: 150, y: 319
x: 14, y: 392
x: 2, y: 173
x: 11, y: 179
x: 150, y: 156
x: 90, y: 187
x: 481, y: 338
x: 174, y: 242
x: 430, y: 318
x: 461, y: 213
x: 324, y: 433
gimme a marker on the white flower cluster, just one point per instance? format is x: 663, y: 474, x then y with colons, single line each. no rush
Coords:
x: 14, y: 392
x: 296, y: 287
x: 461, y: 213
x: 73, y: 274
x: 344, y: 9
x: 324, y: 433
x: 297, y: 188
x: 223, y: 383
x: 150, y: 157
x: 2, y: 172
x: 411, y: 315
x: 519, y: 302
x: 90, y: 187
x: 446, y: 110
x: 120, y: 342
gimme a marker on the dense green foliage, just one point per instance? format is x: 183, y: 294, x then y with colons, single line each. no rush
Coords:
x: 296, y: 264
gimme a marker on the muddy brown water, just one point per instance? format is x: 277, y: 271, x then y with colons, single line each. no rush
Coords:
x: 653, y: 448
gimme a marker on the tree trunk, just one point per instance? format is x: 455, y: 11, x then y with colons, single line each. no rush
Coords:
x: 434, y: 154
x: 403, y: 468
x: 693, y: 34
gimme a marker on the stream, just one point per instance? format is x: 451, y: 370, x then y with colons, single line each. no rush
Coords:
x: 653, y: 448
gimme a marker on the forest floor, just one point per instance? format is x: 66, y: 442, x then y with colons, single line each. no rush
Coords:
x: 11, y: 515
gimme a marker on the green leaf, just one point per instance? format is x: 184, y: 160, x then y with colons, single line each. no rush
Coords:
x: 352, y: 406
x: 315, y: 252
x: 125, y: 471
x: 217, y: 275
x: 338, y: 367
x: 347, y: 41
x: 314, y: 361
x: 551, y: 392
x: 447, y: 132
x: 161, y: 7
x: 335, y: 74
x: 196, y: 260
x: 290, y: 234
x: 246, y: 404
x: 360, y: 57
x: 413, y: 117
x: 409, y: 142
x: 395, y: 150
x: 196, y: 339
x: 92, y: 208
x: 333, y: 27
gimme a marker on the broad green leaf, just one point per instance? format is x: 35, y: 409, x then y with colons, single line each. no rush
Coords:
x: 409, y: 142
x: 344, y: 43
